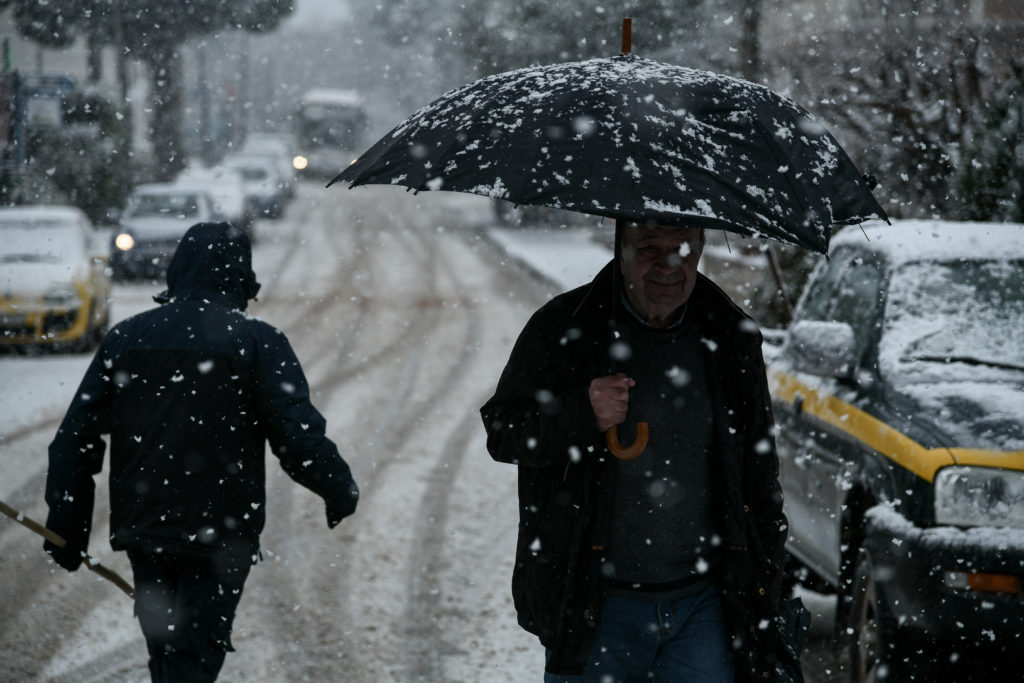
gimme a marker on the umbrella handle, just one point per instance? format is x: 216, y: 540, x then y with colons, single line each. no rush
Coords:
x: 611, y: 438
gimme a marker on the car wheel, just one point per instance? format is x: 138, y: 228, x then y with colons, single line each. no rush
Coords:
x: 870, y: 649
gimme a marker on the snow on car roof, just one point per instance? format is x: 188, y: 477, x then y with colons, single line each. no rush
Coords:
x: 55, y: 232
x: 922, y: 239
x: 41, y: 214
x: 332, y: 96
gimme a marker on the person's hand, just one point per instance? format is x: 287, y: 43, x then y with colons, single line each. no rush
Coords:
x: 609, y: 397
x: 338, y: 510
x: 68, y: 557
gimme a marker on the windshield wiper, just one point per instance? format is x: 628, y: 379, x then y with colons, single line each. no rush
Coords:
x: 969, y: 360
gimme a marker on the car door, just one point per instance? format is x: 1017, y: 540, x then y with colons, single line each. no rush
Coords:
x: 820, y: 457
x: 795, y: 435
x: 831, y: 456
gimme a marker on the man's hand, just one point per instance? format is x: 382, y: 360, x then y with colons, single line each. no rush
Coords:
x: 609, y: 397
x: 68, y: 557
x: 339, y: 510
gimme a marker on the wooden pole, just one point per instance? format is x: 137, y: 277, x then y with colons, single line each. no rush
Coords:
x: 90, y: 562
x: 627, y: 35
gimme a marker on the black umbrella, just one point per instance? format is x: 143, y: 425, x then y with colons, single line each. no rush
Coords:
x: 627, y: 137
x: 634, y: 139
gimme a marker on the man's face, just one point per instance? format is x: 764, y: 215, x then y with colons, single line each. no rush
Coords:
x: 659, y: 269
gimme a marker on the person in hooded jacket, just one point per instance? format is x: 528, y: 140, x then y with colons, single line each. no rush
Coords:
x: 189, y: 393
x: 665, y: 564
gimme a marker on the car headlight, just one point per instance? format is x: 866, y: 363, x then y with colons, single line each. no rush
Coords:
x: 124, y: 241
x: 979, y: 496
x: 64, y: 296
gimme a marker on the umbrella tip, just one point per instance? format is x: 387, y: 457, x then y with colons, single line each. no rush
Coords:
x: 627, y: 35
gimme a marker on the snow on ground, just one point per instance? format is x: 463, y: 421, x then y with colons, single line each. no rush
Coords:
x: 566, y: 257
x: 481, y: 640
x: 464, y: 582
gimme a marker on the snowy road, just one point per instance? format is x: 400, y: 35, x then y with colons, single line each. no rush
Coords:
x: 403, y: 315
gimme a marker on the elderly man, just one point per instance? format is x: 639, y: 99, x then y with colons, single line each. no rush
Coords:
x: 663, y: 566
x: 190, y: 392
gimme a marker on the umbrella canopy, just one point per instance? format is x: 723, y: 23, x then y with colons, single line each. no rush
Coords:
x: 627, y: 137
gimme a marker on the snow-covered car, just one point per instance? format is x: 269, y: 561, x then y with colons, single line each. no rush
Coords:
x: 54, y: 286
x: 264, y: 187
x: 899, y: 397
x: 227, y: 191
x: 280, y: 149
x: 155, y: 219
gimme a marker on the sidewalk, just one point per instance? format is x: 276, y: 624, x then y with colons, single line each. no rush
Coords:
x: 570, y: 257
x: 566, y: 257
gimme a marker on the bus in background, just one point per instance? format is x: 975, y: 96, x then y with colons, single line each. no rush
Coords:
x: 329, y: 129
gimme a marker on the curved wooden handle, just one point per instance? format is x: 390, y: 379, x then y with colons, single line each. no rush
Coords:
x: 611, y: 437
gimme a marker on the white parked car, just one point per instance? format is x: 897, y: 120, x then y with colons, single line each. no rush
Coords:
x: 264, y: 187
x: 157, y: 216
x: 54, y: 286
x: 227, y: 190
x: 280, y: 149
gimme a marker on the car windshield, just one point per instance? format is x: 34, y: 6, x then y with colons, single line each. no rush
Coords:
x: 965, y: 312
x: 39, y: 242
x: 164, y: 205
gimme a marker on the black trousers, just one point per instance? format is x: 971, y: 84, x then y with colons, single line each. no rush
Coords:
x: 186, y: 608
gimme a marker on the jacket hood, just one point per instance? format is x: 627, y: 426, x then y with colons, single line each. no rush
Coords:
x: 213, y: 260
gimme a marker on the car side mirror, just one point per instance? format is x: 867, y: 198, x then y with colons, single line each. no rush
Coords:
x: 826, y: 349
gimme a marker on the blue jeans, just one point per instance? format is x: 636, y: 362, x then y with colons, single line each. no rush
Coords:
x: 673, y: 641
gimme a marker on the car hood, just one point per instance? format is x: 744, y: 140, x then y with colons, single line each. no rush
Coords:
x: 33, y: 280
x: 985, y: 415
x: 158, y: 228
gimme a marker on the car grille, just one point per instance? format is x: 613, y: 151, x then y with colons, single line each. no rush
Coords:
x: 55, y: 323
x: 35, y: 328
x: 15, y: 326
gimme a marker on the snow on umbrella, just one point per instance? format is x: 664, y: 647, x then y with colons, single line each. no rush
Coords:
x: 635, y: 139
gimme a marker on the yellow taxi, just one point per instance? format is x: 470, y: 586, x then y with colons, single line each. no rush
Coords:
x: 899, y: 397
x: 54, y: 288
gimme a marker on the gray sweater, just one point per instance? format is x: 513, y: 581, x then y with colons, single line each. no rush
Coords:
x: 662, y: 529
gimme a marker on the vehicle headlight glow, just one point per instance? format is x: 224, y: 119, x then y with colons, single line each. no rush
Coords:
x: 124, y: 241
x: 979, y: 496
x: 300, y: 162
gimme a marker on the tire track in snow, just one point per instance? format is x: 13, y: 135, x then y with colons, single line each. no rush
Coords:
x: 360, y: 660
x: 427, y: 642
x: 424, y: 643
x: 305, y: 629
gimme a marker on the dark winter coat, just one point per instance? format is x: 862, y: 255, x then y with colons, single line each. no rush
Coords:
x: 189, y: 393
x: 540, y: 419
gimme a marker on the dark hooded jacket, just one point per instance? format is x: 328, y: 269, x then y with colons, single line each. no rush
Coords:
x: 189, y: 393
x: 540, y: 419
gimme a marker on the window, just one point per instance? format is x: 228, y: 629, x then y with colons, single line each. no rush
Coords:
x: 856, y: 301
